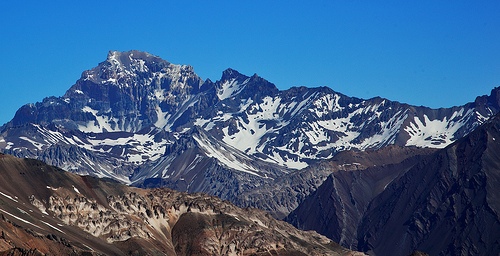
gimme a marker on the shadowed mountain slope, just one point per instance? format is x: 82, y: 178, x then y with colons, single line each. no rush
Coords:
x: 446, y: 203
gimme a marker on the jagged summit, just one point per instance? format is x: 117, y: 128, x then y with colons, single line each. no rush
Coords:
x: 126, y: 58
x: 146, y: 122
x: 484, y: 103
x: 119, y: 67
x: 230, y: 73
x: 233, y: 83
x: 127, y: 92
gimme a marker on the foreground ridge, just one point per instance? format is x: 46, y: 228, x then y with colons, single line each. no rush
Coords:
x: 46, y: 210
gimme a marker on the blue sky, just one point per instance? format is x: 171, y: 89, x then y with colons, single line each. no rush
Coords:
x: 432, y: 53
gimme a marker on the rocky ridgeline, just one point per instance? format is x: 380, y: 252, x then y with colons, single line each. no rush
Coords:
x: 148, y: 123
x: 282, y: 196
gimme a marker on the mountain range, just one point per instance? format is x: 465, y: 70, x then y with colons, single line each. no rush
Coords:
x: 148, y: 123
x: 143, y: 121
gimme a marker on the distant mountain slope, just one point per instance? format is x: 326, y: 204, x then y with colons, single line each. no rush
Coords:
x: 447, y: 203
x: 281, y: 196
x: 144, y: 121
x: 44, y: 210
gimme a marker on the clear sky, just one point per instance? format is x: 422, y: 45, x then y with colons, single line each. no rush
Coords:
x: 432, y: 53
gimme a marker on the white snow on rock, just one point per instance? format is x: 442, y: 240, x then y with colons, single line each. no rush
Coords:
x: 225, y: 157
x: 9, y: 197
x: 435, y: 133
x: 19, y: 218
x: 289, y: 128
x: 76, y: 190
x: 51, y: 226
x: 38, y: 145
x: 231, y: 88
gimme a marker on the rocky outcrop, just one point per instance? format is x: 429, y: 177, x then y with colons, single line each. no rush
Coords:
x: 340, y: 203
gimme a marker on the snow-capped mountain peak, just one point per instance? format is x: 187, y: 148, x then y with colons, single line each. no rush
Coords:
x: 136, y: 113
x: 231, y: 84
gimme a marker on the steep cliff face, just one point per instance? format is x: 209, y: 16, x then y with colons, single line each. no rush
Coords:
x: 46, y: 210
x: 127, y: 92
x: 444, y: 203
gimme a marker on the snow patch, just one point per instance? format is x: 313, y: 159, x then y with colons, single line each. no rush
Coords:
x: 38, y: 145
x: 19, y: 218
x: 435, y: 133
x: 51, y: 226
x: 9, y: 197
x: 76, y: 190
x: 231, y: 88
x: 225, y: 158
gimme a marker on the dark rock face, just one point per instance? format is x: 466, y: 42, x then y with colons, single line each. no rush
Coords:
x: 446, y: 203
x: 121, y: 91
x: 337, y: 207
